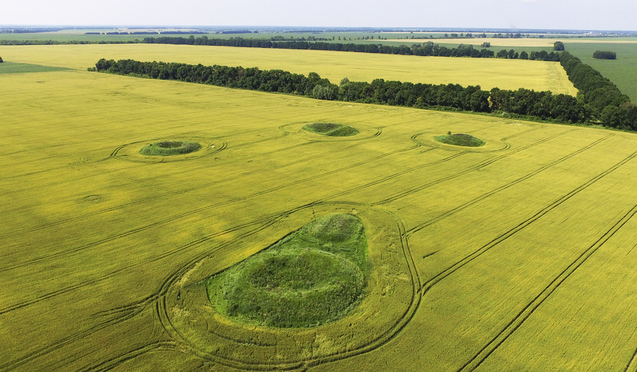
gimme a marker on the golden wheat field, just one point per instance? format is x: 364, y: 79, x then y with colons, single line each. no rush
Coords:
x: 488, y: 73
x: 518, y: 255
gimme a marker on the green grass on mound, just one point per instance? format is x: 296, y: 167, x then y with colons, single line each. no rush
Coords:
x: 460, y: 139
x: 168, y: 148
x: 331, y: 129
x: 312, y: 276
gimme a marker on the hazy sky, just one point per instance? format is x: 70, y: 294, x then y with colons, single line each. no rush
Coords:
x: 553, y: 14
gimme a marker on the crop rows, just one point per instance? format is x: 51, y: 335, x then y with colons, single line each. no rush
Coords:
x: 122, y: 244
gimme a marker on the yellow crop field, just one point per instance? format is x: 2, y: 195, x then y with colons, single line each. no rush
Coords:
x: 488, y: 73
x: 515, y: 255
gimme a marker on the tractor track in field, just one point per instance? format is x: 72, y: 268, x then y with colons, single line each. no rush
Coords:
x: 275, y: 188
x: 118, y: 315
x: 632, y: 363
x: 165, y: 194
x: 486, y: 195
x: 414, y: 138
x: 85, y: 162
x: 111, y: 363
x: 184, y: 214
x: 70, y: 288
x: 114, y: 152
x: 52, y: 347
x: 182, y: 191
x: 198, y: 210
x: 476, y: 167
x: 125, y: 314
x: 519, y: 227
x: 522, y: 316
x: 544, y: 294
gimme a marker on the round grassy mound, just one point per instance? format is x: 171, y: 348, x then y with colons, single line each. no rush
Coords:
x: 169, y: 148
x: 460, y: 139
x: 331, y: 129
x: 337, y: 229
x: 291, y: 289
x: 312, y: 276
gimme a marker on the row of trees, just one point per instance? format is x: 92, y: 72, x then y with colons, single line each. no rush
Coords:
x: 425, y: 49
x: 607, y: 103
x: 523, y: 102
x: 545, y: 105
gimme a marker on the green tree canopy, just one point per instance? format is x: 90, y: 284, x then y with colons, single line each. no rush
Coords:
x: 604, y: 54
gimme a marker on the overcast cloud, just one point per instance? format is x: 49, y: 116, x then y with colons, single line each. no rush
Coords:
x: 523, y: 14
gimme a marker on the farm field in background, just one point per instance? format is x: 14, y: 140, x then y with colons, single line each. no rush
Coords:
x: 546, y: 43
x: 515, y: 255
x: 622, y: 71
x: 488, y: 73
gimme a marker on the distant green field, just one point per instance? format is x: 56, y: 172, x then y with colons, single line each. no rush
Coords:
x: 622, y: 71
x: 21, y: 68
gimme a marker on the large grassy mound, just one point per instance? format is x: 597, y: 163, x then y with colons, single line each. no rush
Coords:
x: 460, y: 139
x: 168, y: 148
x: 331, y: 129
x: 311, y: 277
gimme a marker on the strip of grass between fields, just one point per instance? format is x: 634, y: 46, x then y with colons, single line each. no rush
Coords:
x: 22, y: 68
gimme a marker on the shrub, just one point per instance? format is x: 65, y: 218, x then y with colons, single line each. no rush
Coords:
x: 604, y: 54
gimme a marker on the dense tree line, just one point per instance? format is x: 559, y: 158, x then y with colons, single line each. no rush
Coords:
x: 425, y: 49
x: 522, y: 103
x: 606, y: 102
x: 545, y: 105
x: 604, y: 54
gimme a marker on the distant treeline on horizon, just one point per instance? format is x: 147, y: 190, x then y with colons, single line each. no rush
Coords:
x: 303, y: 29
x: 426, y: 49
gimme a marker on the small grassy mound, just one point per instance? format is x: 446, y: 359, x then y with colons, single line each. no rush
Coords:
x: 460, y: 140
x: 312, y: 276
x: 168, y: 148
x: 331, y: 129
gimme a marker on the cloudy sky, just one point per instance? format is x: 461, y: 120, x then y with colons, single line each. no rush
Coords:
x: 522, y: 14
